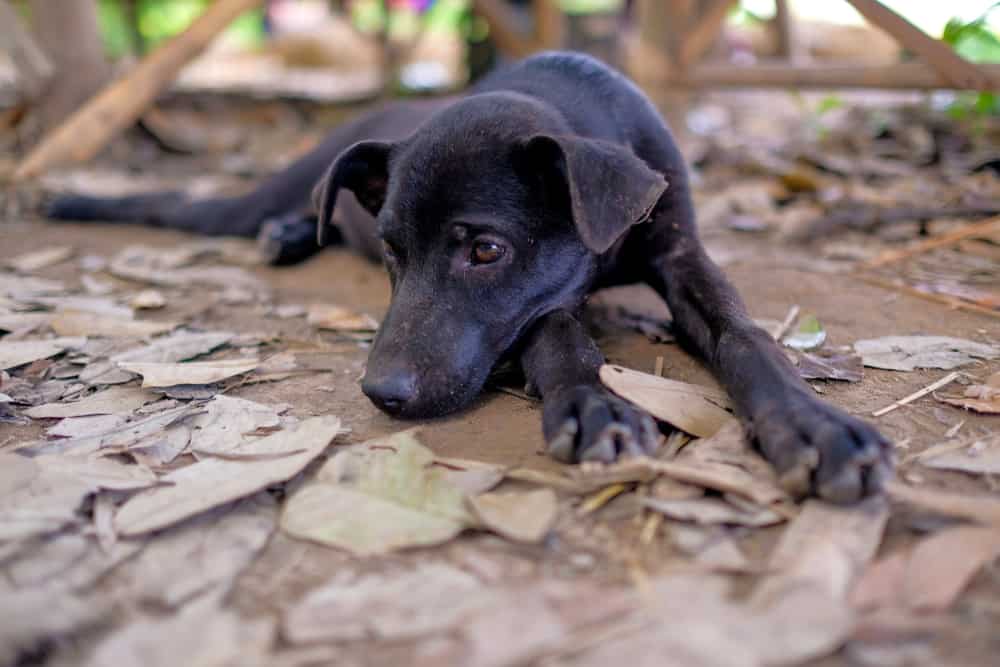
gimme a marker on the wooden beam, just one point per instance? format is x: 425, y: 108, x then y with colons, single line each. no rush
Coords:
x: 904, y: 76
x: 699, y: 39
x: 549, y: 24
x: 88, y: 130
x: 784, y: 29
x: 958, y: 71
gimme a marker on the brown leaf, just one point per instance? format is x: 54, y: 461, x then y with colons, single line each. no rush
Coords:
x: 338, y: 318
x: 692, y: 408
x: 40, y: 259
x: 71, y: 323
x: 984, y: 398
x: 113, y: 401
x: 190, y: 373
x: 713, y: 511
x: 982, y: 509
x: 212, y: 482
x: 21, y: 352
x: 522, y: 517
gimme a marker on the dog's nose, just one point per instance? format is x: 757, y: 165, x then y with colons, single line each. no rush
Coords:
x: 390, y: 392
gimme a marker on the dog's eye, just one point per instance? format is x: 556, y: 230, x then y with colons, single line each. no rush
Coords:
x: 388, y: 251
x: 487, y: 252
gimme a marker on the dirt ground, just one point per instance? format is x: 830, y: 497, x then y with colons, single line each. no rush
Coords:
x: 603, y: 546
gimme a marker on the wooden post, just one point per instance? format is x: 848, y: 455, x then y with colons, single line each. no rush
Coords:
x: 122, y: 102
x: 703, y: 34
x: 955, y: 69
x: 502, y: 22
x: 34, y: 69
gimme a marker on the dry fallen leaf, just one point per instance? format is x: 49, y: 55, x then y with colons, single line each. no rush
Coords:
x: 378, y: 497
x: 178, y: 346
x: 907, y: 353
x: 826, y: 546
x: 983, y: 508
x: 42, y: 495
x: 337, y: 318
x: 130, y: 434
x: 32, y: 617
x: 523, y: 517
x: 208, y: 552
x: 21, y: 352
x: 149, y: 299
x: 711, y: 549
x: 980, y: 456
x: 190, y: 373
x: 930, y: 576
x: 40, y: 259
x: 101, y: 326
x: 212, y: 482
x: 157, y: 267
x: 24, y: 287
x: 431, y: 597
x: 203, y: 634
x: 983, y: 398
x: 228, y: 422
x: 112, y: 401
x: 64, y: 561
x: 830, y: 365
x: 711, y: 511
x: 697, y: 410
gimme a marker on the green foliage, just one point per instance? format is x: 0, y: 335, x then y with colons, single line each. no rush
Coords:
x: 976, y: 41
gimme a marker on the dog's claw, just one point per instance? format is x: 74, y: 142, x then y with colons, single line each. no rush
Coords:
x: 819, y: 450
x: 588, y: 423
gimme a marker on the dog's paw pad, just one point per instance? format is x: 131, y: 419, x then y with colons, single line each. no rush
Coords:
x: 588, y: 423
x: 819, y: 450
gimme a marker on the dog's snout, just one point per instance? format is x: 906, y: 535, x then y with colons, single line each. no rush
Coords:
x: 391, y: 392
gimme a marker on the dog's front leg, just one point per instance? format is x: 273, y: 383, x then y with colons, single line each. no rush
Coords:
x: 581, y: 420
x: 815, y: 447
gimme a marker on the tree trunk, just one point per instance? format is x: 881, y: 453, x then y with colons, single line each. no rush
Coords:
x: 68, y: 32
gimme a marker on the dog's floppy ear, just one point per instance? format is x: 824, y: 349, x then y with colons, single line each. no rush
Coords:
x: 364, y: 170
x: 607, y: 187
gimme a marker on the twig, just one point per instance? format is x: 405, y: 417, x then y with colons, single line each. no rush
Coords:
x: 941, y: 241
x: 658, y: 370
x: 934, y: 386
x: 793, y: 314
x: 601, y: 498
x: 951, y: 301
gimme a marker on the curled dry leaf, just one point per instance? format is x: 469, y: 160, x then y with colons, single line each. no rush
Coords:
x: 112, y: 401
x: 338, y: 318
x: 130, y: 434
x: 983, y: 398
x: 21, y: 352
x: 713, y: 511
x: 830, y: 365
x: 190, y: 373
x: 907, y: 353
x: 980, y: 456
x: 522, y: 517
x: 378, y: 497
x: 694, y: 409
x: 213, y: 482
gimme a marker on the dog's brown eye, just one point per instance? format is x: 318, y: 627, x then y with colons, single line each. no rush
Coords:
x: 486, y: 252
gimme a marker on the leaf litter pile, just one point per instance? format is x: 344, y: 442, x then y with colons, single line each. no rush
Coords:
x: 155, y: 515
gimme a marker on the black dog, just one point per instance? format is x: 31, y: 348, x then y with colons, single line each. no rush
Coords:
x: 496, y: 214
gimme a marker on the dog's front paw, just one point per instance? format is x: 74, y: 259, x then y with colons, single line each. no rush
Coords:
x: 819, y: 450
x: 588, y: 423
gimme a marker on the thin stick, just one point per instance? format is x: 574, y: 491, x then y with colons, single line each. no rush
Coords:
x: 934, y: 386
x: 658, y: 370
x: 941, y: 241
x: 793, y: 314
x: 929, y: 296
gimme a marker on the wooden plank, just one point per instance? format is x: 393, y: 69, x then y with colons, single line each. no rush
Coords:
x: 82, y: 135
x: 954, y: 69
x: 904, y: 76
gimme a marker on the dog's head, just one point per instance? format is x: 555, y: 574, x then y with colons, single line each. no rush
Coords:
x: 491, y: 215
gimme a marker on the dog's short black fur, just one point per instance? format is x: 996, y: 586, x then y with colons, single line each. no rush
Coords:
x: 496, y: 214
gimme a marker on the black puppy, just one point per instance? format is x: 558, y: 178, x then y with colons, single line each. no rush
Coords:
x: 496, y: 214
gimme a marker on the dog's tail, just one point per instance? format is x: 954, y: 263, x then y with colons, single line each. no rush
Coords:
x: 286, y: 192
